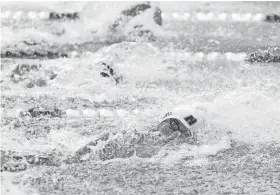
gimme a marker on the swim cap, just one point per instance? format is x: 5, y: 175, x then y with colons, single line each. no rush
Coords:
x: 178, y: 120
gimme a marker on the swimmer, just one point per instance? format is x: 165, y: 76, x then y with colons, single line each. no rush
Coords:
x: 174, y: 128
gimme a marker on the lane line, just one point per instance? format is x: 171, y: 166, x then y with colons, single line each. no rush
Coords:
x: 185, y: 16
x: 32, y: 15
x: 202, y: 16
x: 192, y: 56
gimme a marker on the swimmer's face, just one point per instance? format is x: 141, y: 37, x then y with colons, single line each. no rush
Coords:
x: 165, y: 129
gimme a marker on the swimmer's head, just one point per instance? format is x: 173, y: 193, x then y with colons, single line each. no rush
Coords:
x: 172, y: 123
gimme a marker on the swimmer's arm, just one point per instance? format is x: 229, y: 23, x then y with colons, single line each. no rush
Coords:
x: 173, y: 136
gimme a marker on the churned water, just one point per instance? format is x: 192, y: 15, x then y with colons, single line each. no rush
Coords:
x: 237, y: 105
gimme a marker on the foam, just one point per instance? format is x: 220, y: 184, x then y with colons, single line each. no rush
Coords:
x: 8, y: 187
x: 177, y: 154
